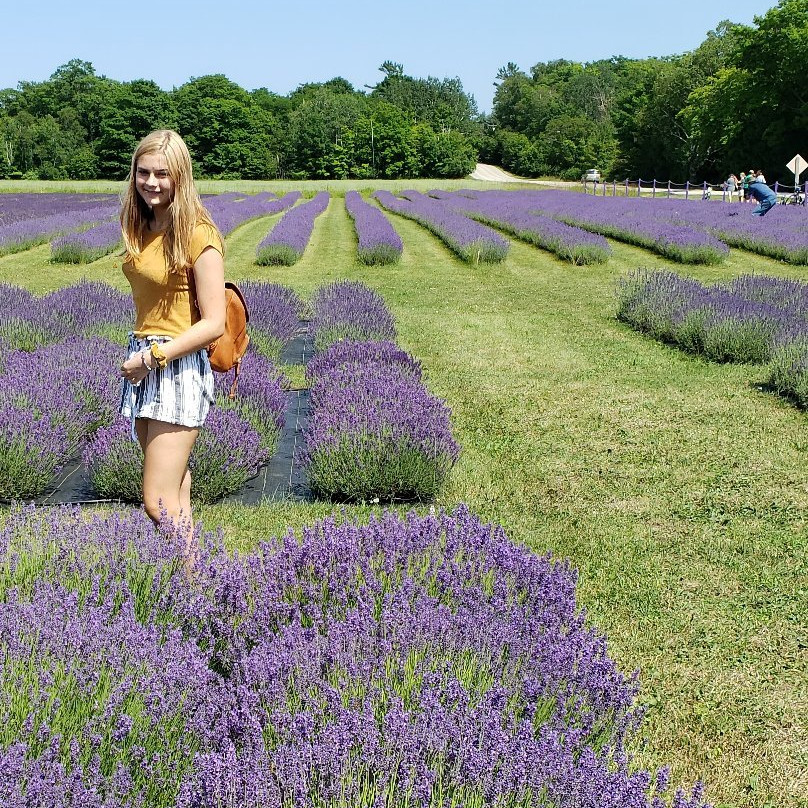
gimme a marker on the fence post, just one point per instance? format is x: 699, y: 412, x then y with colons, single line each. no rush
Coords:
x: 614, y: 187
x: 639, y: 187
x: 776, y: 185
x: 669, y: 189
x: 687, y: 188
x: 805, y: 193
x: 626, y: 186
x: 604, y: 188
x: 653, y: 190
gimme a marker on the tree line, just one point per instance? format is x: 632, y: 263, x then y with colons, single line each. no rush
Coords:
x: 78, y: 125
x: 738, y: 101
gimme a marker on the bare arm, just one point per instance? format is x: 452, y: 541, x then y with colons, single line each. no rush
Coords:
x: 209, y: 280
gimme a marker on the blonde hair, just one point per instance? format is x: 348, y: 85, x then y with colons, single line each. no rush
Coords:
x: 186, y: 208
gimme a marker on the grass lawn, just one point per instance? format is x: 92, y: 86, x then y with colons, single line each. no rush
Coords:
x: 677, y: 487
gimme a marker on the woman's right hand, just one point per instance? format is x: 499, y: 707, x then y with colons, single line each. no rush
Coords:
x: 134, y: 369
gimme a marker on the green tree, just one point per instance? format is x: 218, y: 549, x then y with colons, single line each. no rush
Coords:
x: 773, y: 57
x: 450, y: 155
x: 128, y: 112
x: 315, y: 131
x: 384, y: 144
x: 442, y: 103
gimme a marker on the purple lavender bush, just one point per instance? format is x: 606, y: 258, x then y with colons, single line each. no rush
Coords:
x: 73, y: 384
x: 788, y: 371
x: 104, y: 699
x: 90, y: 308
x: 710, y: 320
x: 289, y: 237
x: 413, y: 661
x: 33, y: 448
x: 512, y: 212
x: 113, y: 462
x: 784, y: 293
x: 52, y: 400
x: 629, y: 220
x: 473, y: 242
x: 347, y: 354
x: 375, y: 432
x: 260, y: 397
x: 19, y: 311
x: 378, y: 242
x: 86, y: 246
x: 275, y: 314
x: 86, y: 308
x: 349, y: 310
x: 227, y: 453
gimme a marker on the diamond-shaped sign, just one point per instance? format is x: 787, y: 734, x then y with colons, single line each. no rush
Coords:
x: 797, y: 165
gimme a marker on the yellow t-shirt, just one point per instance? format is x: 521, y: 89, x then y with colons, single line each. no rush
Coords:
x: 162, y: 298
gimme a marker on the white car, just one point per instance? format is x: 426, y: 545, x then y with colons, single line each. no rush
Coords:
x: 592, y: 175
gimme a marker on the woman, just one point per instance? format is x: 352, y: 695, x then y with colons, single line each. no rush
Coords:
x: 731, y: 186
x: 168, y: 383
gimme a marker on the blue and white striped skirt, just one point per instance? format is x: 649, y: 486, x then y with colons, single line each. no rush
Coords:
x: 181, y: 393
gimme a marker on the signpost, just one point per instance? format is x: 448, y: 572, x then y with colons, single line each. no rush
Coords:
x: 796, y: 166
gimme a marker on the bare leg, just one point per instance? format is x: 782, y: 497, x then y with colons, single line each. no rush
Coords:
x: 166, y: 479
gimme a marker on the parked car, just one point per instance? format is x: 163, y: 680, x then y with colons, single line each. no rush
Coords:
x: 592, y: 175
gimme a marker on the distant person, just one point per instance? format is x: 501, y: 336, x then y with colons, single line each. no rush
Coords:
x: 167, y: 379
x: 731, y: 186
x: 766, y: 198
x: 747, y: 181
x: 759, y: 177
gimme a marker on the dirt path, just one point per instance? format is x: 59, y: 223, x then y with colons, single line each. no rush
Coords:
x: 495, y: 174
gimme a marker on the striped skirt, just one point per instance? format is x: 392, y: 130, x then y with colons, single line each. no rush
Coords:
x: 181, y: 393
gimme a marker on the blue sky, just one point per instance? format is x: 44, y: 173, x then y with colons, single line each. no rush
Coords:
x: 279, y: 45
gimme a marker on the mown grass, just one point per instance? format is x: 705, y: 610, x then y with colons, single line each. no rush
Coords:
x: 280, y: 187
x: 677, y: 487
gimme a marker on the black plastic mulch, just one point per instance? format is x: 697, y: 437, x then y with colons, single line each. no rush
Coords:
x: 281, y: 479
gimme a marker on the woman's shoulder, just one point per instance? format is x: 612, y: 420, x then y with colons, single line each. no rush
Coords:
x: 205, y: 235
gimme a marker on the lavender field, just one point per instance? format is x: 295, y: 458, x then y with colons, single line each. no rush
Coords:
x: 606, y: 607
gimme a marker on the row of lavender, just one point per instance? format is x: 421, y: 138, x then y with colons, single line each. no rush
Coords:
x: 510, y: 212
x: 75, y: 242
x: 471, y: 241
x: 228, y: 211
x: 375, y: 432
x: 59, y: 396
x: 673, y: 228
x: 753, y: 318
x: 573, y: 225
x: 413, y: 661
x: 27, y: 220
x: 558, y: 221
x: 378, y: 242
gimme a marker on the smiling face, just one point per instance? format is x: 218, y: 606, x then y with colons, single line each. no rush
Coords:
x: 153, y: 182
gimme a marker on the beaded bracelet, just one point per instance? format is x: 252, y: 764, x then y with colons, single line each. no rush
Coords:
x: 143, y: 361
x: 160, y: 358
